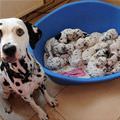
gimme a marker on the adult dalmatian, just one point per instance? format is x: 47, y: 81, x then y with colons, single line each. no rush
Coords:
x: 21, y: 73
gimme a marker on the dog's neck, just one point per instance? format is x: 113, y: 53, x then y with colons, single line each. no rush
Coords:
x: 22, y: 69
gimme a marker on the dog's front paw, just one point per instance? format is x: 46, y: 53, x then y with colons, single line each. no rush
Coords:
x: 52, y: 102
x: 43, y: 116
x: 7, y: 107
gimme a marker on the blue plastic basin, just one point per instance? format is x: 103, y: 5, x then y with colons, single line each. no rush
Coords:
x: 89, y: 16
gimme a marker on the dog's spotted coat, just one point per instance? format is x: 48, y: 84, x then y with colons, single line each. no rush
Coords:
x: 21, y: 73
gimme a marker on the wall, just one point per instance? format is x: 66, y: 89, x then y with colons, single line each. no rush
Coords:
x: 17, y: 8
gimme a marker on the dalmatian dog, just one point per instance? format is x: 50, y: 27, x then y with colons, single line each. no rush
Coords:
x: 89, y: 52
x: 88, y: 41
x: 55, y: 63
x: 48, y: 46
x: 92, y: 39
x: 109, y: 36
x: 116, y: 67
x: 96, y: 35
x: 75, y: 59
x: 21, y: 73
x: 115, y: 52
x: 57, y: 54
x: 97, y: 64
x: 54, y: 48
x: 81, y: 44
x: 68, y: 35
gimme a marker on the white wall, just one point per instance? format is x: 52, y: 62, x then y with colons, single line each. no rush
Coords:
x: 17, y: 8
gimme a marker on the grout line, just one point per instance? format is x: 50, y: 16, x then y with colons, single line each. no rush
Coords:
x: 65, y: 87
x: 55, y: 110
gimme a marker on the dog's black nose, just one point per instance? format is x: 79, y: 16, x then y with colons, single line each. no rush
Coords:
x: 9, y: 49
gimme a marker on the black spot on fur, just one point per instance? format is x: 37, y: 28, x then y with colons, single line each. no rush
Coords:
x: 42, y: 88
x: 107, y: 53
x: 42, y: 91
x: 1, y: 23
x: 97, y: 50
x: 27, y: 74
x: 23, y: 64
x: 39, y: 70
x: 14, y: 64
x: 45, y: 77
x: 20, y: 91
x: 85, y: 44
x: 118, y: 58
x: 85, y: 35
x: 13, y: 74
x: 57, y: 37
x: 25, y: 98
x: 111, y: 54
x: 17, y: 84
x: 33, y: 37
x: 25, y: 80
x: 39, y: 75
x: 2, y: 66
x: 8, y: 70
x: 28, y: 55
x: 20, y: 71
x: 31, y: 95
x: 5, y: 83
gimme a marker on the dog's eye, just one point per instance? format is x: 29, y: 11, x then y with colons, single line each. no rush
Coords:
x: 19, y: 32
x: 0, y: 33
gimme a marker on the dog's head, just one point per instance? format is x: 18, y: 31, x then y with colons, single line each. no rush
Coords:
x: 15, y: 36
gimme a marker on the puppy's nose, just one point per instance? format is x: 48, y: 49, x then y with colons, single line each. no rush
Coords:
x: 9, y: 49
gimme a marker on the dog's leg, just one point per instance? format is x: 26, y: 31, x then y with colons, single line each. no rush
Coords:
x: 50, y: 100
x: 6, y: 92
x: 42, y: 115
x: 5, y: 96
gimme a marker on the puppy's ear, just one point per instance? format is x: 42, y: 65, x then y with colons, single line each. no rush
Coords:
x: 57, y: 37
x: 34, y: 34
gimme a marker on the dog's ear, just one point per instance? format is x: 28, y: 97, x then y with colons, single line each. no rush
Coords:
x: 34, y: 34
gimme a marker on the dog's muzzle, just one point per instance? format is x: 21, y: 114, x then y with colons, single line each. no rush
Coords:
x: 9, y: 51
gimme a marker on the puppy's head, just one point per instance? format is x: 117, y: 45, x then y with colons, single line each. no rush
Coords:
x: 15, y: 35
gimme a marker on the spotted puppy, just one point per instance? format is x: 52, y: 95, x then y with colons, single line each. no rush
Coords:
x: 97, y: 63
x: 68, y: 35
x: 89, y: 52
x: 21, y: 73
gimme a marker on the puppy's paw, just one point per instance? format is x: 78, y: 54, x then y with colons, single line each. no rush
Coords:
x: 43, y: 116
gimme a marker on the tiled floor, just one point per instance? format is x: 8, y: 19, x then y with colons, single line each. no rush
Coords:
x: 84, y: 102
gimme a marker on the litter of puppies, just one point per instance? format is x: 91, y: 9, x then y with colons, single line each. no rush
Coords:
x: 96, y: 54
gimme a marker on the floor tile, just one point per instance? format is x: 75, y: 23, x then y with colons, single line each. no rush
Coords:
x: 54, y: 88
x: 99, y: 101
x: 52, y: 113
